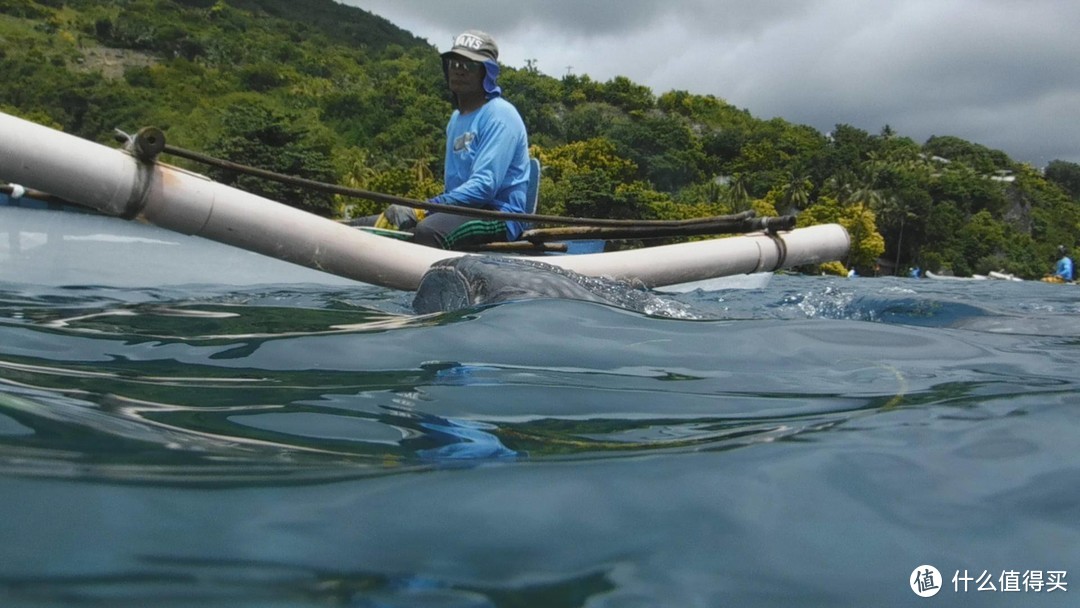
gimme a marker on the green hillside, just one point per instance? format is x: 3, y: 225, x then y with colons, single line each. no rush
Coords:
x: 330, y: 92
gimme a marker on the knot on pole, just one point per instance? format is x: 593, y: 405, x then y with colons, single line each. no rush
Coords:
x: 148, y: 143
x: 145, y: 146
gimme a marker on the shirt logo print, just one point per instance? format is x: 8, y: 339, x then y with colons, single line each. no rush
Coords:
x: 464, y: 142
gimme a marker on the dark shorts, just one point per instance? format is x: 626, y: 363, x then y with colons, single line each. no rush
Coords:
x: 442, y: 230
x: 450, y: 231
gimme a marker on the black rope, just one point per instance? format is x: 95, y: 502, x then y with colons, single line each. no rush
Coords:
x: 727, y: 225
x: 466, y: 211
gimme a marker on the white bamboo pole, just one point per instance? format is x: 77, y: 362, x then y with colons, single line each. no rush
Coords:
x: 685, y: 262
x: 116, y: 183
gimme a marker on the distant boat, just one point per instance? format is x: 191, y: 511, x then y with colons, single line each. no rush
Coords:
x: 1003, y: 276
x: 993, y: 275
x: 949, y: 277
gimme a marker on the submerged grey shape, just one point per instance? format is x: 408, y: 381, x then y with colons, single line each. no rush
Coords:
x: 469, y: 281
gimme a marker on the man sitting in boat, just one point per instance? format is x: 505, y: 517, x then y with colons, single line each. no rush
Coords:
x: 487, y: 156
x: 1064, y: 268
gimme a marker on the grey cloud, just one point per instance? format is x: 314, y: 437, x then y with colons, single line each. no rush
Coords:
x: 998, y: 72
x: 577, y: 18
x: 563, y: 16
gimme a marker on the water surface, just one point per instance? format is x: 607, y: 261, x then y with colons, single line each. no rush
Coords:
x: 311, y: 442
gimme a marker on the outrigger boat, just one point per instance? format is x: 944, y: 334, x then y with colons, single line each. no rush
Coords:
x: 133, y: 185
x: 993, y: 275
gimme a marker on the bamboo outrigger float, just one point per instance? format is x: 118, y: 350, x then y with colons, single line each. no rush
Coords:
x: 117, y: 183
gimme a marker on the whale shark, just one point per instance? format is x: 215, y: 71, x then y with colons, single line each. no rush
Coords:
x: 471, y: 281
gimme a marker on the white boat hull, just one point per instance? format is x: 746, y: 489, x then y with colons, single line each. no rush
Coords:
x: 59, y: 248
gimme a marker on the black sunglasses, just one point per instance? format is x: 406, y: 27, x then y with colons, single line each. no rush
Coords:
x: 463, y: 64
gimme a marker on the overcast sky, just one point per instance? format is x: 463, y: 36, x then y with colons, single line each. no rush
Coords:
x: 1002, y: 73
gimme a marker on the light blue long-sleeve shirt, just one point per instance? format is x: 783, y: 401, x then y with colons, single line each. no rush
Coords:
x: 487, y: 161
x: 1065, y: 268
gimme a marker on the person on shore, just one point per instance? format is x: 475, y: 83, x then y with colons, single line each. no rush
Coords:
x: 487, y: 157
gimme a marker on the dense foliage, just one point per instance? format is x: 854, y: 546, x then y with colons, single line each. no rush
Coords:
x: 333, y: 93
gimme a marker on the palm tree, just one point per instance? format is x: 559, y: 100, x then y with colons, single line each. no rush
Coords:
x: 851, y: 188
x: 796, y: 192
x: 840, y: 186
x: 737, y: 196
x: 866, y: 194
x: 897, y: 209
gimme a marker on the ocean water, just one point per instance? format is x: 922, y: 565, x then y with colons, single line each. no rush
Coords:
x: 311, y: 442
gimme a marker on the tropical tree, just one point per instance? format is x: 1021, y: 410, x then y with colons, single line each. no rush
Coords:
x: 899, y: 211
x: 737, y: 196
x: 627, y: 95
x: 867, y: 244
x: 983, y: 242
x: 1066, y: 175
x: 255, y: 134
x: 795, y: 192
